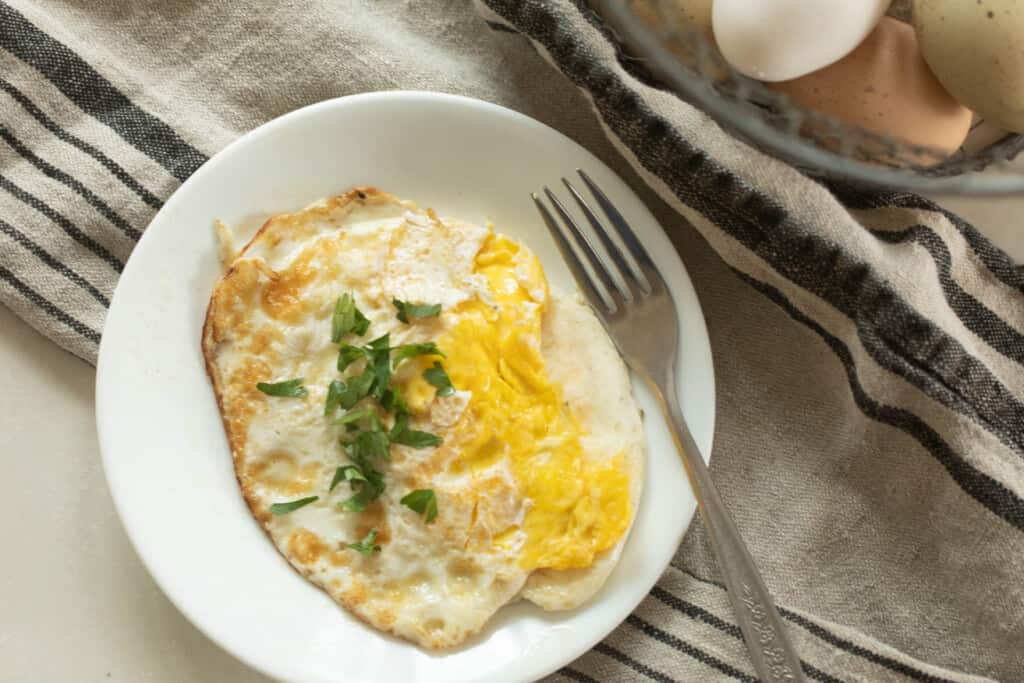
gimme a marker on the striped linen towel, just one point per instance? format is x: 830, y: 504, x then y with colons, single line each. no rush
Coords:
x: 869, y: 347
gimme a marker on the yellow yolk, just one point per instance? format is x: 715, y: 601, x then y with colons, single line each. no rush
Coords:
x: 578, y: 506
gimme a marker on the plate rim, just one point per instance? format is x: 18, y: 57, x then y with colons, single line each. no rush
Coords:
x: 698, y: 324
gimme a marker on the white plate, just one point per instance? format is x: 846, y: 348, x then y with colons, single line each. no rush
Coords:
x: 165, y: 453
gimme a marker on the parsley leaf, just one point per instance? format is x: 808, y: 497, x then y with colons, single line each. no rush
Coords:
x: 436, y: 376
x: 422, y: 501
x: 369, y: 446
x: 292, y: 388
x: 407, y: 310
x: 334, y: 392
x: 347, y: 318
x: 367, y: 486
x: 285, y: 508
x: 401, y: 434
x: 356, y: 389
x: 367, y: 546
x: 353, y: 416
x: 379, y: 351
x: 393, y: 401
x: 417, y: 439
x: 410, y: 350
x: 349, y: 354
x: 347, y: 473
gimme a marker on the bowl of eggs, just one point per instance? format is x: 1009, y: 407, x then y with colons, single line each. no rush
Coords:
x: 918, y: 95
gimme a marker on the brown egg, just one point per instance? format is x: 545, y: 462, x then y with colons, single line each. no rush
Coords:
x: 885, y: 86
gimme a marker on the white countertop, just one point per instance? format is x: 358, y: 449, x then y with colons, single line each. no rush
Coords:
x: 75, y: 602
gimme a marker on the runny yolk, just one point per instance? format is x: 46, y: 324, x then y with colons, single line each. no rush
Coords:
x: 578, y: 506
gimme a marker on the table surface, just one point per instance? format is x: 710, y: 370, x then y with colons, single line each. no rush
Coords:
x: 77, y: 603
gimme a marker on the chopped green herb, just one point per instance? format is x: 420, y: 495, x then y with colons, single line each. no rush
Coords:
x: 367, y: 490
x: 362, y: 325
x: 393, y: 401
x: 422, y: 501
x: 380, y: 350
x: 356, y: 503
x: 407, y: 310
x: 369, y: 446
x: 417, y: 439
x: 292, y: 388
x: 347, y: 473
x: 285, y: 508
x: 410, y: 350
x: 334, y: 392
x: 381, y: 343
x: 367, y: 546
x: 353, y: 416
x: 437, y: 377
x: 356, y: 389
x: 347, y: 318
x: 401, y: 434
x: 349, y: 354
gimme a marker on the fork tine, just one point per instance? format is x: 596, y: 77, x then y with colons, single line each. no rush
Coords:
x: 593, y: 261
x: 616, y: 266
x: 634, y: 253
x: 595, y: 291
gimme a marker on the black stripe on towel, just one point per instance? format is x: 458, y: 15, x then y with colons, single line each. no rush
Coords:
x: 994, y: 258
x: 652, y: 631
x: 575, y: 675
x: 60, y: 267
x: 621, y: 657
x: 49, y: 124
x: 51, y: 171
x: 976, y: 316
x: 95, y: 95
x: 67, y: 226
x: 58, y: 314
x: 983, y: 488
x: 836, y: 641
x: 694, y: 612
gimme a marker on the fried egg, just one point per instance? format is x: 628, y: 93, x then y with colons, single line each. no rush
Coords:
x: 535, y: 472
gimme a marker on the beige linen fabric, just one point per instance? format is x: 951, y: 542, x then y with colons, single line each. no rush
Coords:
x: 868, y: 352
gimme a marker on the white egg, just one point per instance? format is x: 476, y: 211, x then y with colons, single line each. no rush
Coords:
x: 776, y: 40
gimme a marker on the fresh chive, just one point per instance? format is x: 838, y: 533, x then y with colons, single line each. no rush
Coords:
x: 437, y: 377
x: 422, y: 501
x: 407, y: 310
x: 291, y: 506
x: 292, y: 388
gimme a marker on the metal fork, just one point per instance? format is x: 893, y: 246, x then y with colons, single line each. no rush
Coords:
x: 631, y: 300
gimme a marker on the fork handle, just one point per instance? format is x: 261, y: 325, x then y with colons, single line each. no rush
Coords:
x: 771, y: 652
